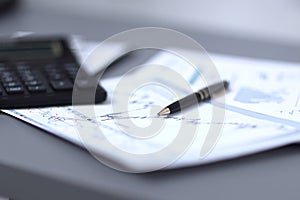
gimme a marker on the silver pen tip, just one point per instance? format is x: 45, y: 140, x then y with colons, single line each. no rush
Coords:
x: 165, y: 111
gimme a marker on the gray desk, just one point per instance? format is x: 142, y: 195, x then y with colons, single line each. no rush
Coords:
x: 37, y: 165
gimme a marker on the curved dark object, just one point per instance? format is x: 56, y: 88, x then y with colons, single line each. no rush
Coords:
x: 6, y: 5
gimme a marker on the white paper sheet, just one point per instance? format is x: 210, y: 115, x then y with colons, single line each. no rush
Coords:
x: 240, y: 135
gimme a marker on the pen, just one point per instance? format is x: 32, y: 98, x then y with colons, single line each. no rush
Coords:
x: 202, y: 95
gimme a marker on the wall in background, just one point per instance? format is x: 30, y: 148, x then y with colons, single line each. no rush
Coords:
x: 260, y: 19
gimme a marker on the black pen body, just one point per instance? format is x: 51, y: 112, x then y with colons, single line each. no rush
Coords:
x: 185, y: 102
x: 202, y: 95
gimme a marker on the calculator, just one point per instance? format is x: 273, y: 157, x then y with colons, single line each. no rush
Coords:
x: 39, y: 72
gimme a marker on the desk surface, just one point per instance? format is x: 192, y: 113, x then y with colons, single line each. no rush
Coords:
x: 37, y: 165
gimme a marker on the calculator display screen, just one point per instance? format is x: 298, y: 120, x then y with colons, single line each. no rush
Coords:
x: 31, y: 50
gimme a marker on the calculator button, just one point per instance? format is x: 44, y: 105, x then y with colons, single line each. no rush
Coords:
x: 62, y: 85
x: 3, y: 68
x: 56, y: 76
x: 71, y: 68
x: 12, y: 84
x: 26, y: 73
x: 52, y: 69
x: 9, y: 79
x: 33, y: 83
x: 14, y: 90
x: 49, y: 67
x: 29, y: 78
x: 70, y: 65
x: 21, y: 67
x: 7, y: 74
x: 84, y: 83
x: 36, y: 89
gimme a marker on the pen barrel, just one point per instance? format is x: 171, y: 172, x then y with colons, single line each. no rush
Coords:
x: 197, y: 97
x: 208, y: 92
x: 188, y: 101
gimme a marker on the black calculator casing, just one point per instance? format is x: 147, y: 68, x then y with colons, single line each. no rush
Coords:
x: 39, y: 72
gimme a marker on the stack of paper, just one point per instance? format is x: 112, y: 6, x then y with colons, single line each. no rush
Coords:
x: 262, y: 111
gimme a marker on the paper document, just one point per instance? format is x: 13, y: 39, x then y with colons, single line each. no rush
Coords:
x: 241, y: 134
x: 266, y: 87
x: 261, y: 113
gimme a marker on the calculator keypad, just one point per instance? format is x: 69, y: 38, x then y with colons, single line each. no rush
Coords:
x: 38, y: 85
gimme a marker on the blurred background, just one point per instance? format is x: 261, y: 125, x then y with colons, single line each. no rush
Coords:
x: 231, y: 26
x: 269, y: 20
